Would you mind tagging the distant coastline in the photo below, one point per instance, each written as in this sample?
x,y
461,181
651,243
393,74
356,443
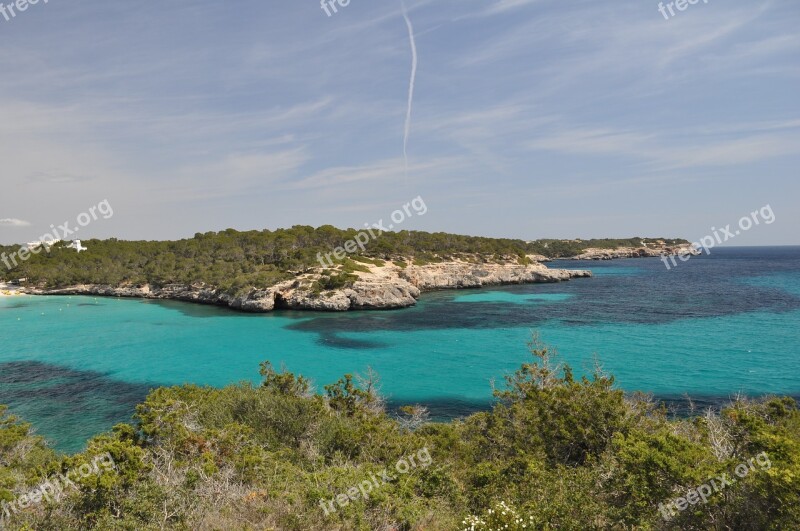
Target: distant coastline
x,y
386,286
261,271
655,251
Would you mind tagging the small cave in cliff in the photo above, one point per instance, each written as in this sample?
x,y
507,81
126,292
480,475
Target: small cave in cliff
x,y
280,302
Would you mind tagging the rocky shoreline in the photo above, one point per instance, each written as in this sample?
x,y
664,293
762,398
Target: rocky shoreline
x,y
384,287
636,252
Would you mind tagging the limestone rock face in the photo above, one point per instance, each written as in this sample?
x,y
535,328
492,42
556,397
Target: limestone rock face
x,y
636,252
255,301
538,258
383,294
382,288
464,275
330,301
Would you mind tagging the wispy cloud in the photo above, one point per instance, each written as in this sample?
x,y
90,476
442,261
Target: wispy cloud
x,y
232,175
665,151
13,222
497,7
380,173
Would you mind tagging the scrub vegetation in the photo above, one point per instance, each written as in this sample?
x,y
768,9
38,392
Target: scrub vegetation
x,y
554,452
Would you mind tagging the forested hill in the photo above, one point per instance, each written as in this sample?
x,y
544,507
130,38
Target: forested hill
x,y
232,259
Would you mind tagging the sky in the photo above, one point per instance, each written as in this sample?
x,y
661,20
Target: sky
x,y
529,118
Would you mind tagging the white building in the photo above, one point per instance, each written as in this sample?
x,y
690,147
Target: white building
x,y
76,244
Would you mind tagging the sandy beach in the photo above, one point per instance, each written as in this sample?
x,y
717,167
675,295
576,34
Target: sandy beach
x,y
7,290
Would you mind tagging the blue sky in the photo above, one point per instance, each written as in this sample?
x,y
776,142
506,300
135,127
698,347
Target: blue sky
x,y
531,118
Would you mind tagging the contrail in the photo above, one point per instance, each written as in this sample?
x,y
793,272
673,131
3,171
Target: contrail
x,y
410,85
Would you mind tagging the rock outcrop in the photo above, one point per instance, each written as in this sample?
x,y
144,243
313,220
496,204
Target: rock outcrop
x,y
636,252
464,275
382,288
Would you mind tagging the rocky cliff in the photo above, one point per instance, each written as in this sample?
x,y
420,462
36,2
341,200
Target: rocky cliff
x,y
383,287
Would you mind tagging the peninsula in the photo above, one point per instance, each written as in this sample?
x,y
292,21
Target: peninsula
x,y
261,271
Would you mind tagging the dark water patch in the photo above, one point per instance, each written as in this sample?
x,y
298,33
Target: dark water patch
x,y
214,311
337,341
193,309
68,406
435,316
15,306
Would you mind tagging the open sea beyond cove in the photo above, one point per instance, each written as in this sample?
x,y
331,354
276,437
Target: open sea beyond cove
x,y
709,328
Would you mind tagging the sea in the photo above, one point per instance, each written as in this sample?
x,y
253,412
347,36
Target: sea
x,y
693,336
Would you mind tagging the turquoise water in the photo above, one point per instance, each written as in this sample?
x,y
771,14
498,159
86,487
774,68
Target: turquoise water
x,y
74,366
